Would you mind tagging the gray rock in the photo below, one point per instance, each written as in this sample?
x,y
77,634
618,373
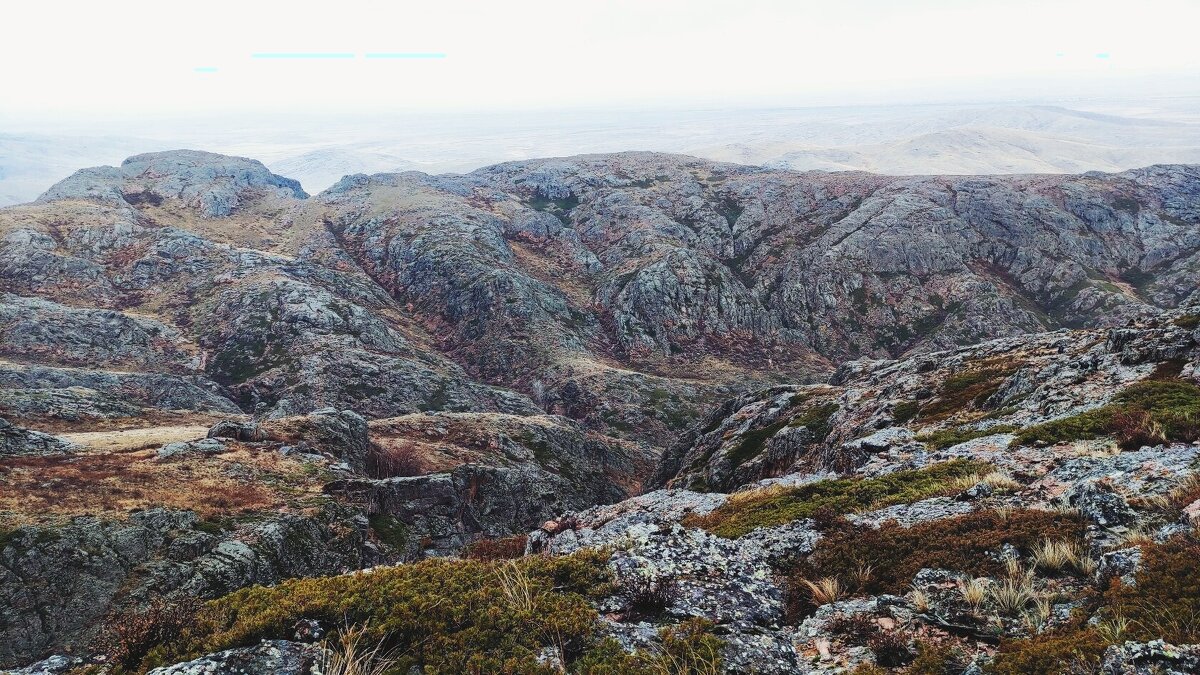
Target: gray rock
x,y
17,441
279,657
206,446
1100,504
1121,564
54,665
1151,658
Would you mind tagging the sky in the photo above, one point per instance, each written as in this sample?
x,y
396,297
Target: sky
x,y
100,60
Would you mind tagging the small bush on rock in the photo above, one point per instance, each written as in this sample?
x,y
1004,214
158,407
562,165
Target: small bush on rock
x,y
130,635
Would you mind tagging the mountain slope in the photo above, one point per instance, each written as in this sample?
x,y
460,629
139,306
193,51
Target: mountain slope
x,y
254,384
629,291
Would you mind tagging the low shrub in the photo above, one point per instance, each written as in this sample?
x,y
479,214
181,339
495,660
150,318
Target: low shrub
x,y
815,418
969,388
1065,650
1188,321
446,615
394,461
929,660
1163,604
648,594
905,411
853,629
1147,412
890,648
746,511
687,649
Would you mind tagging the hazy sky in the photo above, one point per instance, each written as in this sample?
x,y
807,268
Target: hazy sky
x,y
111,59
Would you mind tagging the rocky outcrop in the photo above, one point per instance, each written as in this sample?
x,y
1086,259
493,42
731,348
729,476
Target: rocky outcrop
x,y
57,583
214,185
340,432
499,476
629,291
16,441
877,410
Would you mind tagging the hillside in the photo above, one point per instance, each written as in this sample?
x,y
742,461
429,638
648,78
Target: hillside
x,y
703,381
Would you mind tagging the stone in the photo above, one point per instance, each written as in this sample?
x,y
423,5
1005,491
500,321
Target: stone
x,y
279,657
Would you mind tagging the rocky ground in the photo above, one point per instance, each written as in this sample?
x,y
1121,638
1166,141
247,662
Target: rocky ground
x,y
211,381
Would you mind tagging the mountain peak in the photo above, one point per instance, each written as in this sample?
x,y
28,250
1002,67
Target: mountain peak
x,y
212,183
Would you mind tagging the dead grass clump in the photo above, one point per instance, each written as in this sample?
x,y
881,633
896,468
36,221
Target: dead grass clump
x,y
130,634
1061,556
502,548
394,461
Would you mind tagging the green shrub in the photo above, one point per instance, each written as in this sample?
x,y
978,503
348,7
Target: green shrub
x,y
969,388
1150,410
815,418
746,511
905,411
447,615
687,649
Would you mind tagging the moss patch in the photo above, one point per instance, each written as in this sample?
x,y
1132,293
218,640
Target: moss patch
x,y
1168,409
1188,321
966,543
389,530
448,616
746,511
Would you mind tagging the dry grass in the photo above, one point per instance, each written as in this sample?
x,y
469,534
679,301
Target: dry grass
x,y
1012,595
974,592
1186,491
350,655
1138,535
825,590
919,599
1113,629
1061,556
136,439
112,484
1000,482
517,585
1037,616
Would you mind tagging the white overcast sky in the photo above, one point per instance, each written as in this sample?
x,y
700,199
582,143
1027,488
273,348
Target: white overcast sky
x,y
106,59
